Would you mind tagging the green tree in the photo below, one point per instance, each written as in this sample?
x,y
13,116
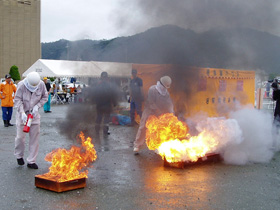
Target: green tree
x,y
14,73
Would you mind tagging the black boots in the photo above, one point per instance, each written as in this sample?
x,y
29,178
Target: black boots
x,y
32,165
20,161
7,123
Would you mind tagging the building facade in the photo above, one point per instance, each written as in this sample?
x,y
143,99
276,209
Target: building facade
x,y
20,32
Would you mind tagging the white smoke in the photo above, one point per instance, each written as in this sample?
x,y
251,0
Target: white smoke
x,y
245,137
258,145
225,131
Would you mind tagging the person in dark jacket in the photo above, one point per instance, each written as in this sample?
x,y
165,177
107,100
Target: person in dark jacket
x,y
276,97
105,99
136,96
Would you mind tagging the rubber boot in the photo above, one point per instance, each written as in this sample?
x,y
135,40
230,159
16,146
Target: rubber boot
x,y
9,124
6,123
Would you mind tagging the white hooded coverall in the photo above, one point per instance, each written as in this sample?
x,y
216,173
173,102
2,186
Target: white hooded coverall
x,y
24,102
158,103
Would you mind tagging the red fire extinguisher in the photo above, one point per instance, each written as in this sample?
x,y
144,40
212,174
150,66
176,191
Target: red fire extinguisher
x,y
27,125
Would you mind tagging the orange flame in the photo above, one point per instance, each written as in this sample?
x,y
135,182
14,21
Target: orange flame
x,y
66,164
171,138
164,128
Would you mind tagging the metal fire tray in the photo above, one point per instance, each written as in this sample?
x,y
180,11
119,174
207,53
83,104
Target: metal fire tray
x,y
208,158
59,186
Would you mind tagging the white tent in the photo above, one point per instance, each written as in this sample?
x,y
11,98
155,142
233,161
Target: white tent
x,y
63,68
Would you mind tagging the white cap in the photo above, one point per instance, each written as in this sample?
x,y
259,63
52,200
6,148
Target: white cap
x,y
166,81
33,78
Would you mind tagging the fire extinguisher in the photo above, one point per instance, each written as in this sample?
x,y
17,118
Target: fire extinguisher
x,y
27,125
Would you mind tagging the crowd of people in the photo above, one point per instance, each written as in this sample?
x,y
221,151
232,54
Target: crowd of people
x,y
62,93
32,93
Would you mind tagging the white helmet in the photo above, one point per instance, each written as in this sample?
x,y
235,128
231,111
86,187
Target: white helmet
x,y
166,81
33,78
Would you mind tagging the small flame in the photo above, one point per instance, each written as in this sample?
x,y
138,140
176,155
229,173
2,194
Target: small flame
x,y
171,138
67,164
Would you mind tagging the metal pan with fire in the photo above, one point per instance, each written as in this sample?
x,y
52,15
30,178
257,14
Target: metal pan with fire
x,y
171,139
69,167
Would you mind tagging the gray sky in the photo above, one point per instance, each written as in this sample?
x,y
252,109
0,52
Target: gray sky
x,y
106,19
77,19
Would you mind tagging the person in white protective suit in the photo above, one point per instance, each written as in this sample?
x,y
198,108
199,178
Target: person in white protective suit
x,y
158,103
31,95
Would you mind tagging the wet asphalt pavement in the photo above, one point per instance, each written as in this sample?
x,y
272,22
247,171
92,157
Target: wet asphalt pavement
x,y
120,180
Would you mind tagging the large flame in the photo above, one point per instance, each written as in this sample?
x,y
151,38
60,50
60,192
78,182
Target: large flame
x,y
170,137
164,128
67,164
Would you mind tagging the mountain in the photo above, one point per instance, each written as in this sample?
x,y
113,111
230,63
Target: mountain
x,y
239,48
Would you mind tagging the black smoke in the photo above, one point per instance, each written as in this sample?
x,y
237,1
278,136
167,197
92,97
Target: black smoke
x,y
82,113
200,15
216,41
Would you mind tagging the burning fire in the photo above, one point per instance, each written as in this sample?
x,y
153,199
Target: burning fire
x,y
163,129
67,164
171,138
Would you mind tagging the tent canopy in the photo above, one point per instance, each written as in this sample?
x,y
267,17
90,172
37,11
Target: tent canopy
x,y
63,68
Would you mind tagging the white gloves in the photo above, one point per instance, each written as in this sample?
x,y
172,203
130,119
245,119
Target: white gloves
x,y
23,117
35,110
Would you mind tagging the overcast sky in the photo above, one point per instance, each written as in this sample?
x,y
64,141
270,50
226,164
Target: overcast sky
x,y
106,19
77,19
